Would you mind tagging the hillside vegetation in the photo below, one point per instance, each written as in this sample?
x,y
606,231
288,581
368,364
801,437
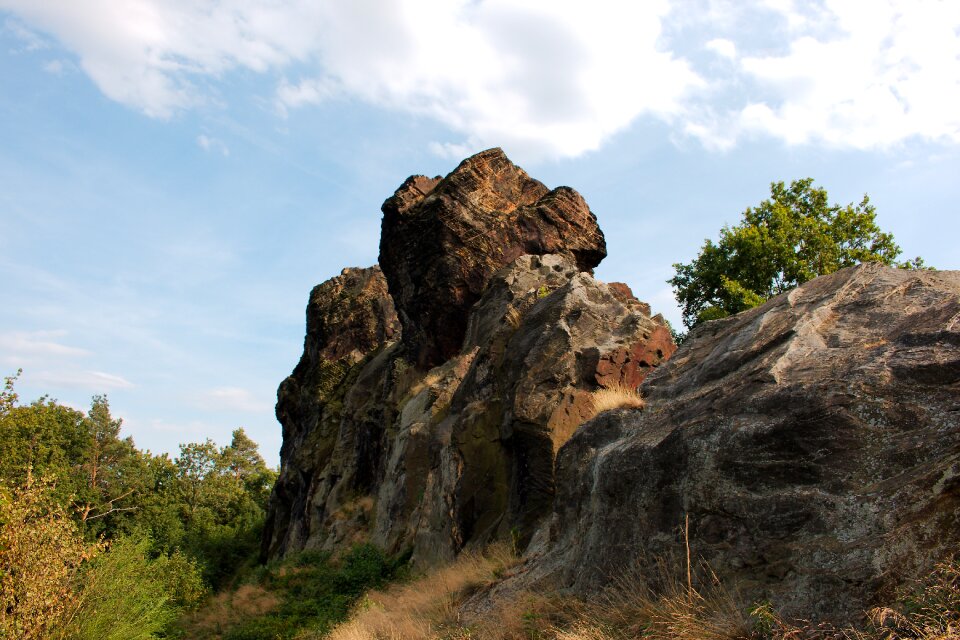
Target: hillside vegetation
x,y
99,539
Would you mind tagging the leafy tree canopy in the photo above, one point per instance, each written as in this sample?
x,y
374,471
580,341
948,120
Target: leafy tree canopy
x,y
206,507
794,236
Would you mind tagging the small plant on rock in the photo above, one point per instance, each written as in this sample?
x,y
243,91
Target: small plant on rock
x,y
617,396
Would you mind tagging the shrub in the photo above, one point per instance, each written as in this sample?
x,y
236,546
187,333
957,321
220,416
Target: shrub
x,y
127,596
41,551
307,594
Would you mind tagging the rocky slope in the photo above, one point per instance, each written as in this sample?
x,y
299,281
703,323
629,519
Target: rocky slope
x,y
814,443
443,434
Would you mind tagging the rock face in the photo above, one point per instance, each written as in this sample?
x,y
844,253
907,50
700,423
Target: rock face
x,y
446,438
349,317
814,443
442,241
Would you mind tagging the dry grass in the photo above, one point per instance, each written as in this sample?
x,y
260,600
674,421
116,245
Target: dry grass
x,y
661,602
426,607
227,609
930,612
513,317
616,397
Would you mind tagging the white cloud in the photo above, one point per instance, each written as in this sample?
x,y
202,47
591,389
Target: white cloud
x,y
544,78
212,144
96,381
38,343
722,47
855,75
539,77
232,399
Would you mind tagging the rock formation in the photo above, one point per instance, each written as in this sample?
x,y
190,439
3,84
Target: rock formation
x,y
442,241
446,437
814,443
349,317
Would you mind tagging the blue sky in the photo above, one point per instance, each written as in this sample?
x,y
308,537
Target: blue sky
x,y
175,176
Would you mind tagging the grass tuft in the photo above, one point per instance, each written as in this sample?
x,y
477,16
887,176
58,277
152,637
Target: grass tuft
x,y
617,396
427,607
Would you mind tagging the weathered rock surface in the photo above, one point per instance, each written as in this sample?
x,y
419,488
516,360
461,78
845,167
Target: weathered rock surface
x,y
376,447
443,239
349,317
814,443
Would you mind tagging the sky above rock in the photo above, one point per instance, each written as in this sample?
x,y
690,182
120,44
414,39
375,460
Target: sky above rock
x,y
176,175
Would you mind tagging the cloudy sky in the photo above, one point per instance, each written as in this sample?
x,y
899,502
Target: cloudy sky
x,y
175,175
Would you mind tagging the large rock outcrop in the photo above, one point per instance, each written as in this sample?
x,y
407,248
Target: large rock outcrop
x,y
349,317
443,239
814,443
447,437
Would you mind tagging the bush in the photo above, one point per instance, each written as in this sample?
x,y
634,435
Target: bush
x,y
316,592
41,551
127,596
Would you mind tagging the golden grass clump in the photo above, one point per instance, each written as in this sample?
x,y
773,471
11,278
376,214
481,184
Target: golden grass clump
x,y
930,612
617,396
426,607
660,603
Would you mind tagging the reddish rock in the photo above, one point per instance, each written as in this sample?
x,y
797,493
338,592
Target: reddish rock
x,y
442,240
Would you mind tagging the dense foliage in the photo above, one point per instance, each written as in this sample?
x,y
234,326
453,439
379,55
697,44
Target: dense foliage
x,y
101,540
311,592
784,241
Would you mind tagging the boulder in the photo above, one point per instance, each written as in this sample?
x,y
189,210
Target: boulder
x,y
443,239
813,443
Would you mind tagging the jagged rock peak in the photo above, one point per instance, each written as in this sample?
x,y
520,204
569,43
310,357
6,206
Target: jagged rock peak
x,y
349,318
350,315
443,239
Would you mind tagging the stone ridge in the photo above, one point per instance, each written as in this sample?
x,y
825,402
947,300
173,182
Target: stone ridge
x,y
443,239
813,442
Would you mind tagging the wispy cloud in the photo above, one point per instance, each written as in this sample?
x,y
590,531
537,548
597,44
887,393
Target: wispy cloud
x,y
54,67
95,381
232,399
38,343
208,143
30,39
545,78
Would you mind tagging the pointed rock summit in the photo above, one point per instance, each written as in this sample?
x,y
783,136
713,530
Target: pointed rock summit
x,y
443,239
441,434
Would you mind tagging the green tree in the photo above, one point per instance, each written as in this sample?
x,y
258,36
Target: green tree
x,y
794,236
223,499
206,507
99,475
